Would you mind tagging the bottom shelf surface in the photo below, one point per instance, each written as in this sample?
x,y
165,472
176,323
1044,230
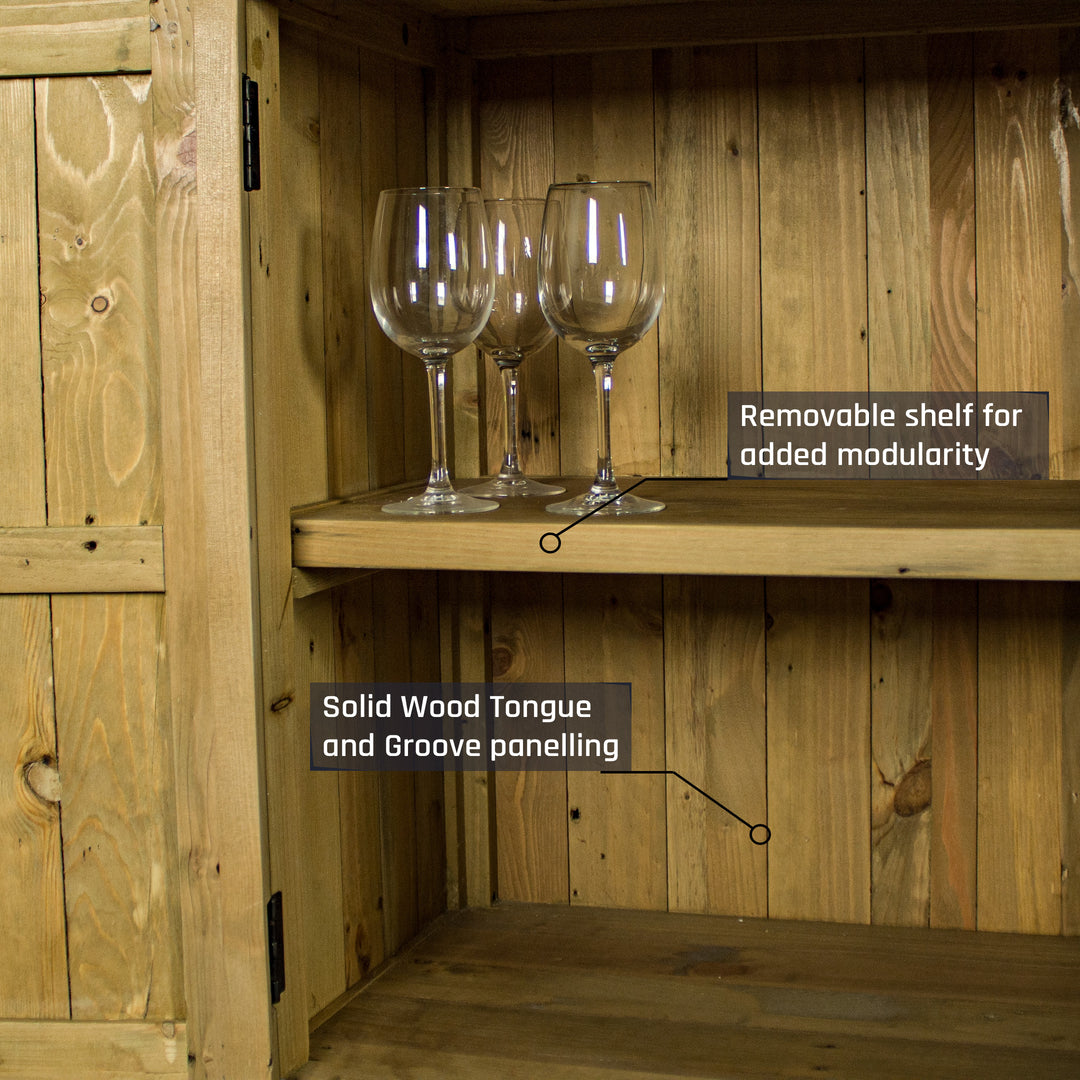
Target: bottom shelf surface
x,y
558,993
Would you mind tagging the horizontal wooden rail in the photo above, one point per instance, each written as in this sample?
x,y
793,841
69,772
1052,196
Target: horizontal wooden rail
x,y
91,1050
78,559
844,528
93,37
651,25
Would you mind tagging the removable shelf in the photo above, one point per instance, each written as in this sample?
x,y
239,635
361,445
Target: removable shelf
x,y
845,528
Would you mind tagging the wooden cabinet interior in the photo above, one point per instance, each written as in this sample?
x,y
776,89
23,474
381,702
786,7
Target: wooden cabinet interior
x,y
882,212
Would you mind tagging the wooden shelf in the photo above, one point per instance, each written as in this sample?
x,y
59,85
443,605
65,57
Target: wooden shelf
x,y
847,528
520,991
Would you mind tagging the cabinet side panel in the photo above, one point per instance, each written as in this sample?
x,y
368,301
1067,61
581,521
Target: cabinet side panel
x,y
604,131
517,160
714,655
707,186
527,646
617,823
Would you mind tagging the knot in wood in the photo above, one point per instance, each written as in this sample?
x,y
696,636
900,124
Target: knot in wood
x,y
912,793
43,779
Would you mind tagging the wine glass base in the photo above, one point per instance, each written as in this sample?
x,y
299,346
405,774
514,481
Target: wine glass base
x,y
431,503
510,487
604,504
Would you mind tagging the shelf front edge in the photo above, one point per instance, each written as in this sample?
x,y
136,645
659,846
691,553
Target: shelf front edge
x,y
1049,554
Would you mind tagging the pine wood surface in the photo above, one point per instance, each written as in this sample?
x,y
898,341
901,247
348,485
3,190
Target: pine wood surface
x,y
42,38
1011,529
97,1050
519,990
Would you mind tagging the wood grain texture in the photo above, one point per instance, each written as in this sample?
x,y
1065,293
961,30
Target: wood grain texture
x,y
901,684
464,646
516,150
714,681
211,613
361,845
951,164
611,994
1019,220
1065,137
282,266
21,436
344,243
1020,732
604,130
97,36
87,559
34,982
113,737
617,824
527,646
97,278
818,749
707,186
954,791
813,234
98,1050
1070,760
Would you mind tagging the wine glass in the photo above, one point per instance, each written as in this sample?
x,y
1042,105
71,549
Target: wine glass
x,y
516,328
432,284
601,287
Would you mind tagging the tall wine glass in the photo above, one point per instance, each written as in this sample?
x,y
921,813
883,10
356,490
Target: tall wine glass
x,y
516,328
601,288
432,284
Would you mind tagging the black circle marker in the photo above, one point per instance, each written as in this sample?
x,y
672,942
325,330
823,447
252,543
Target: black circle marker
x,y
546,539
765,839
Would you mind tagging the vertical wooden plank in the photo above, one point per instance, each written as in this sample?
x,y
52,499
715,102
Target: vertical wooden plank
x,y
517,161
814,329
813,232
102,422
617,826
951,154
425,661
317,824
1070,758
1019,336
1019,220
604,131
361,844
465,646
1020,725
32,928
819,759
99,361
527,646
899,291
714,653
390,613
344,246
898,213
953,822
707,184
901,709
954,698
119,847
211,612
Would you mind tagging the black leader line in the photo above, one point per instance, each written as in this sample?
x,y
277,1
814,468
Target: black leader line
x,y
760,829
550,542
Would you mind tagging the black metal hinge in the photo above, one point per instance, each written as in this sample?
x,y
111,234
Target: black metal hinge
x,y
249,95
275,933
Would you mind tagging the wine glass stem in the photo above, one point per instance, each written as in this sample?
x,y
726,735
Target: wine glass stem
x,y
605,475
511,466
439,479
